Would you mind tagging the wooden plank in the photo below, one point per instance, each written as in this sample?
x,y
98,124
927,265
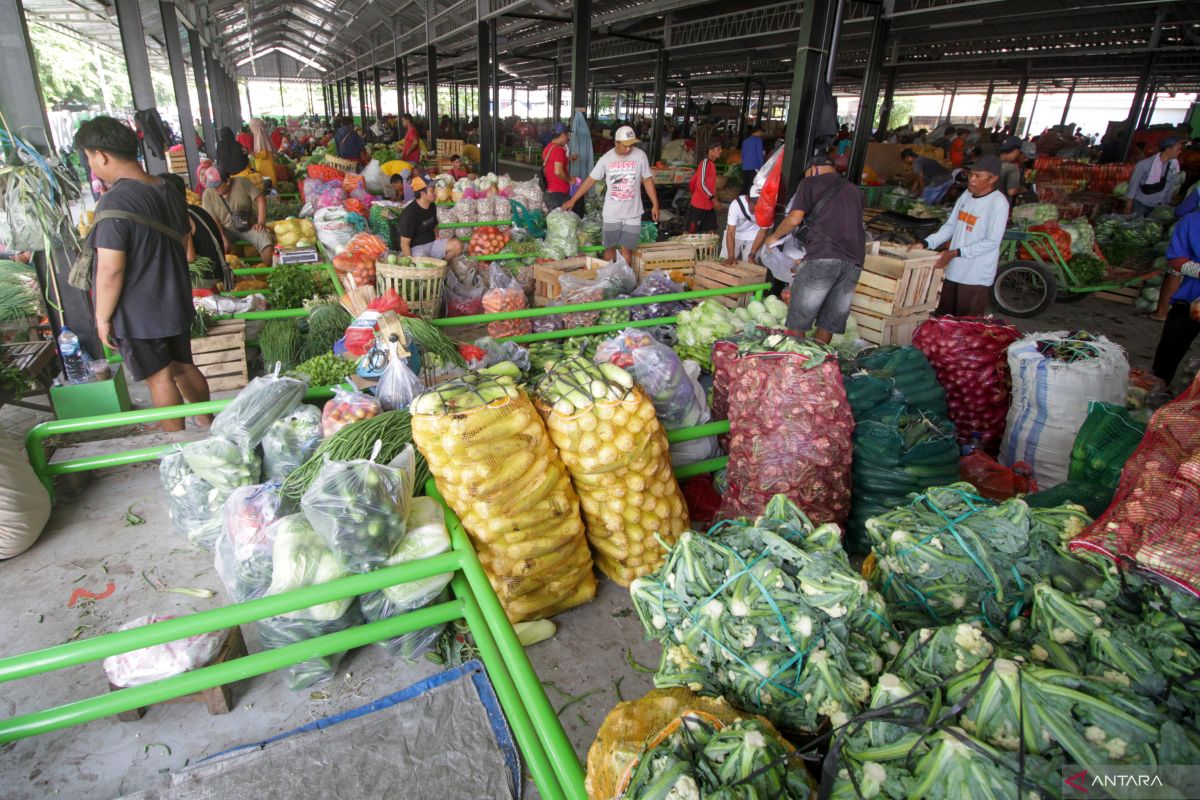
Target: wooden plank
x,y
227,382
210,344
237,356
879,282
1117,298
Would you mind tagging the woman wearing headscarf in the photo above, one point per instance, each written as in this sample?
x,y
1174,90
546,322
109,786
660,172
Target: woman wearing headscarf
x,y
230,155
263,151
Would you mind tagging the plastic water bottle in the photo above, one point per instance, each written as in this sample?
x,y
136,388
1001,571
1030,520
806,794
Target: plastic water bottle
x,y
77,366
973,444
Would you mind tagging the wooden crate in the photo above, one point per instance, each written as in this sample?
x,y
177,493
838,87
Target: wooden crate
x,y
662,256
177,162
1127,295
449,147
888,330
545,276
221,355
715,275
706,245
896,282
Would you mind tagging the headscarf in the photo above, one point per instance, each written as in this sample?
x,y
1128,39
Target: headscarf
x,y
262,140
230,155
214,177
581,145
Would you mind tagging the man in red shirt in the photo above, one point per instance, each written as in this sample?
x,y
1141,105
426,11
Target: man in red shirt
x,y
554,167
410,150
702,213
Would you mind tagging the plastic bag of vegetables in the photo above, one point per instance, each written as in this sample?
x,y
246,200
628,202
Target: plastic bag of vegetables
x,y
505,294
654,284
616,452
346,407
159,661
398,385
678,399
969,355
497,468
242,554
193,503
770,615
265,399
561,230
222,463
790,429
359,508
290,441
576,291
299,558
464,294
426,537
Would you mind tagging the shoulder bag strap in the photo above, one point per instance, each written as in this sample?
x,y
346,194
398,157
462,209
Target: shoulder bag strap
x,y
165,230
824,201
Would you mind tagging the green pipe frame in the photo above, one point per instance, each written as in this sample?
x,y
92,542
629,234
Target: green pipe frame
x,y
46,470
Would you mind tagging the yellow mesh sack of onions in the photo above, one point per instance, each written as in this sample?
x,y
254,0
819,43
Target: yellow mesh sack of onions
x,y
620,464
493,462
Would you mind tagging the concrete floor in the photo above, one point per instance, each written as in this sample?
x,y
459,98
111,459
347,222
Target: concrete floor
x,y
87,544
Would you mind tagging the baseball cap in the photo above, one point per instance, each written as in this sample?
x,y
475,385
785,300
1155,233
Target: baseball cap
x,y
1169,141
419,184
625,134
986,164
820,160
1010,144
715,143
908,151
558,129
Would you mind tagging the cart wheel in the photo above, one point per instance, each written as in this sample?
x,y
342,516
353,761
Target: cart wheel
x,y
1024,288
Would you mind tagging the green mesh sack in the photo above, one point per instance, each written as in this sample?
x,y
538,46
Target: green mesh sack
x,y
1092,496
913,378
865,391
898,451
1105,442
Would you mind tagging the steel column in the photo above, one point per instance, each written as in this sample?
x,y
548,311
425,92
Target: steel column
x,y
350,98
199,63
1067,104
431,104
486,32
220,117
1143,84
885,107
987,104
660,104
137,61
1015,119
187,128
880,26
817,28
580,42
378,93
950,105
494,66
687,106
401,81
741,128
362,96
762,100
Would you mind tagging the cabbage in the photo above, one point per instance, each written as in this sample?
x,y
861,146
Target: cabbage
x,y
1121,189
300,558
1083,237
426,536
1036,212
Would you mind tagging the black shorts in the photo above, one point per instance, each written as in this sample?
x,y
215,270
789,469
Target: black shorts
x,y
701,220
144,357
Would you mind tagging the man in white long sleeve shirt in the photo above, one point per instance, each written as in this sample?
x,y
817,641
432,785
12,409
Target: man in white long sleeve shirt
x,y
974,230
1155,179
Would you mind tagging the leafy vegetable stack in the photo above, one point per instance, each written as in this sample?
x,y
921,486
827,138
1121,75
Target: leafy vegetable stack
x,y
769,615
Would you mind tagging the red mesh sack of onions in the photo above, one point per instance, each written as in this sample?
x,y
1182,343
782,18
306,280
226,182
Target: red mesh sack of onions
x,y
790,432
969,355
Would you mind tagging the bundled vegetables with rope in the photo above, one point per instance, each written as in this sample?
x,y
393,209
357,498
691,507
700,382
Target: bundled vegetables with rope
x,y
616,452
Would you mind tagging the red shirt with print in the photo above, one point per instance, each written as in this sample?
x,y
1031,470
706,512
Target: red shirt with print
x,y
551,155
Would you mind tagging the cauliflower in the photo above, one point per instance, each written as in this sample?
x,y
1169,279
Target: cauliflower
x,y
685,788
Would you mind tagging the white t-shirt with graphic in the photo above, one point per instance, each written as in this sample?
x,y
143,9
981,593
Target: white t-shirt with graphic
x,y
623,176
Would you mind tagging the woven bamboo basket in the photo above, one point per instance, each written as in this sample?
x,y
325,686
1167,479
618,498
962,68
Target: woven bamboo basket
x,y
420,286
344,164
706,245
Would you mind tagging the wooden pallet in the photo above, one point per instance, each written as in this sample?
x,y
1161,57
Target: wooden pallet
x,y
1126,295
896,282
545,276
221,355
887,330
715,275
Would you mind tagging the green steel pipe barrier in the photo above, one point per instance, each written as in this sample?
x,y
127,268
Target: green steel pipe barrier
x,y
525,338
35,440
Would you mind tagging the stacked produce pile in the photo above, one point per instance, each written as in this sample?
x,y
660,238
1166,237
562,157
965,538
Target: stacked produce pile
x,y
770,615
294,232
1128,241
953,556
701,327
505,294
616,453
1054,378
496,467
790,428
969,356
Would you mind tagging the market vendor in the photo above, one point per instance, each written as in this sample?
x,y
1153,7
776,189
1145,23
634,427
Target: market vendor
x,y
974,230
622,169
417,227
410,148
1011,159
554,167
743,235
1183,317
931,180
401,186
704,205
240,209
835,248
1155,179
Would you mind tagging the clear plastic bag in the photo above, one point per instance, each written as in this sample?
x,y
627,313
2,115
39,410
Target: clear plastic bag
x,y
265,399
359,508
549,323
290,441
502,351
282,631
193,503
617,277
398,385
576,291
346,407
242,555
426,537
654,284
164,660
464,295
506,294
222,463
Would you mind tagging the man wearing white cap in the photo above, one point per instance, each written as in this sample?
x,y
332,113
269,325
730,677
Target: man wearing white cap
x,y
622,169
